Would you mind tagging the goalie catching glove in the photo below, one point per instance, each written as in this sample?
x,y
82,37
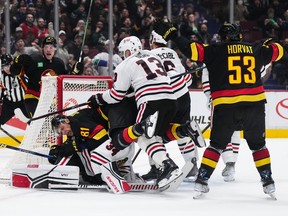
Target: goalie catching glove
x,y
166,29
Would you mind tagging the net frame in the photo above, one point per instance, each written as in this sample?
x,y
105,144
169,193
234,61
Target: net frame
x,y
57,93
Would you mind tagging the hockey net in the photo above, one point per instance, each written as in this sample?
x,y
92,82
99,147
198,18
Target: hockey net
x,y
57,93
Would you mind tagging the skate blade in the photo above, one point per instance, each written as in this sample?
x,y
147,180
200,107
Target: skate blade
x,y
197,195
272,196
190,179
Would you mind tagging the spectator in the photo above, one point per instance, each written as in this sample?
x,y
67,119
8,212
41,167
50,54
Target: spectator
x,y
74,47
99,35
104,70
20,48
204,34
43,31
30,31
189,26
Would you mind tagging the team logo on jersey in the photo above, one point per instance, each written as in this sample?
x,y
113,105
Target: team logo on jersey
x,y
282,108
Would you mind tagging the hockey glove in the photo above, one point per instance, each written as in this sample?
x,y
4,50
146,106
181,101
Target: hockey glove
x,y
209,102
96,100
23,59
69,147
77,68
54,152
166,29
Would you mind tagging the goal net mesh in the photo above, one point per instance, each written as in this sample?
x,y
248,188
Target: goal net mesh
x,y
57,93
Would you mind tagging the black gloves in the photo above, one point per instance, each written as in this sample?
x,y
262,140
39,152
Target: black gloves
x,y
23,59
166,29
96,100
69,147
54,152
77,68
18,62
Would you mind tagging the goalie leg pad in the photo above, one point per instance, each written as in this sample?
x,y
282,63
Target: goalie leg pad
x,y
40,176
110,175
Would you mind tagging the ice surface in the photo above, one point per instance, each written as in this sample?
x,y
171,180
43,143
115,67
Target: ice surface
x,y
239,198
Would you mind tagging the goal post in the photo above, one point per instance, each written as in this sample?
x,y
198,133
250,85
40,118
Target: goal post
x,y
57,93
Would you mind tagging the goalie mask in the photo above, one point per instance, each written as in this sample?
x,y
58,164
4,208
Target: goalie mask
x,y
230,32
156,38
132,43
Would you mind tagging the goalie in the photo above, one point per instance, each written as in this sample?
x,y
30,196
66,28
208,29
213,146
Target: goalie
x,y
89,147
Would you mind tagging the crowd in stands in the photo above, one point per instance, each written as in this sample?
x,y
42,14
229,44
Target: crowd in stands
x,y
33,20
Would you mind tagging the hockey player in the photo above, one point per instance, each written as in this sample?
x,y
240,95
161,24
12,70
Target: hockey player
x,y
12,91
173,66
237,93
230,153
34,67
88,138
144,72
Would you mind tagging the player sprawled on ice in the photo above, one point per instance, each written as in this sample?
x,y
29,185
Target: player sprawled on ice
x,y
237,93
89,147
174,67
144,72
12,91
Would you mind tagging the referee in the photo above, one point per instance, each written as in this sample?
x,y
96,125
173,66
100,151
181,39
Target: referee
x,y
12,91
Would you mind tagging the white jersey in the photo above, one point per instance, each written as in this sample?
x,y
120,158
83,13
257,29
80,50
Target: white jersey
x,y
145,73
173,66
104,70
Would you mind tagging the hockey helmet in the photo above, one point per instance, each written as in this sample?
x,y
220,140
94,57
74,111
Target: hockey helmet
x,y
56,121
49,40
156,38
6,59
230,32
132,43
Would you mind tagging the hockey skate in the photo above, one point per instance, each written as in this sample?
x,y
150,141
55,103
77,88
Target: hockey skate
x,y
228,172
268,184
169,172
201,187
149,125
195,134
152,174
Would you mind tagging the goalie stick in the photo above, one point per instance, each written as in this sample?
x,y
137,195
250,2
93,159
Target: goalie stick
x,y
26,151
172,186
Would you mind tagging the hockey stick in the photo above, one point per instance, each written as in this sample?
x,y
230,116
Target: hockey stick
x,y
139,150
56,112
134,187
10,135
26,151
85,31
188,72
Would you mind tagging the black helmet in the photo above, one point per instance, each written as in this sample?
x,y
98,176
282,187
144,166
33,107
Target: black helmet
x,y
230,32
56,121
6,59
49,40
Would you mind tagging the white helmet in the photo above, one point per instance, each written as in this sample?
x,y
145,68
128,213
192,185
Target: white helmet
x,y
132,43
156,38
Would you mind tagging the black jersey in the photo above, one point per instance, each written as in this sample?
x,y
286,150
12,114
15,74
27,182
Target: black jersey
x,y
235,69
89,127
39,66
